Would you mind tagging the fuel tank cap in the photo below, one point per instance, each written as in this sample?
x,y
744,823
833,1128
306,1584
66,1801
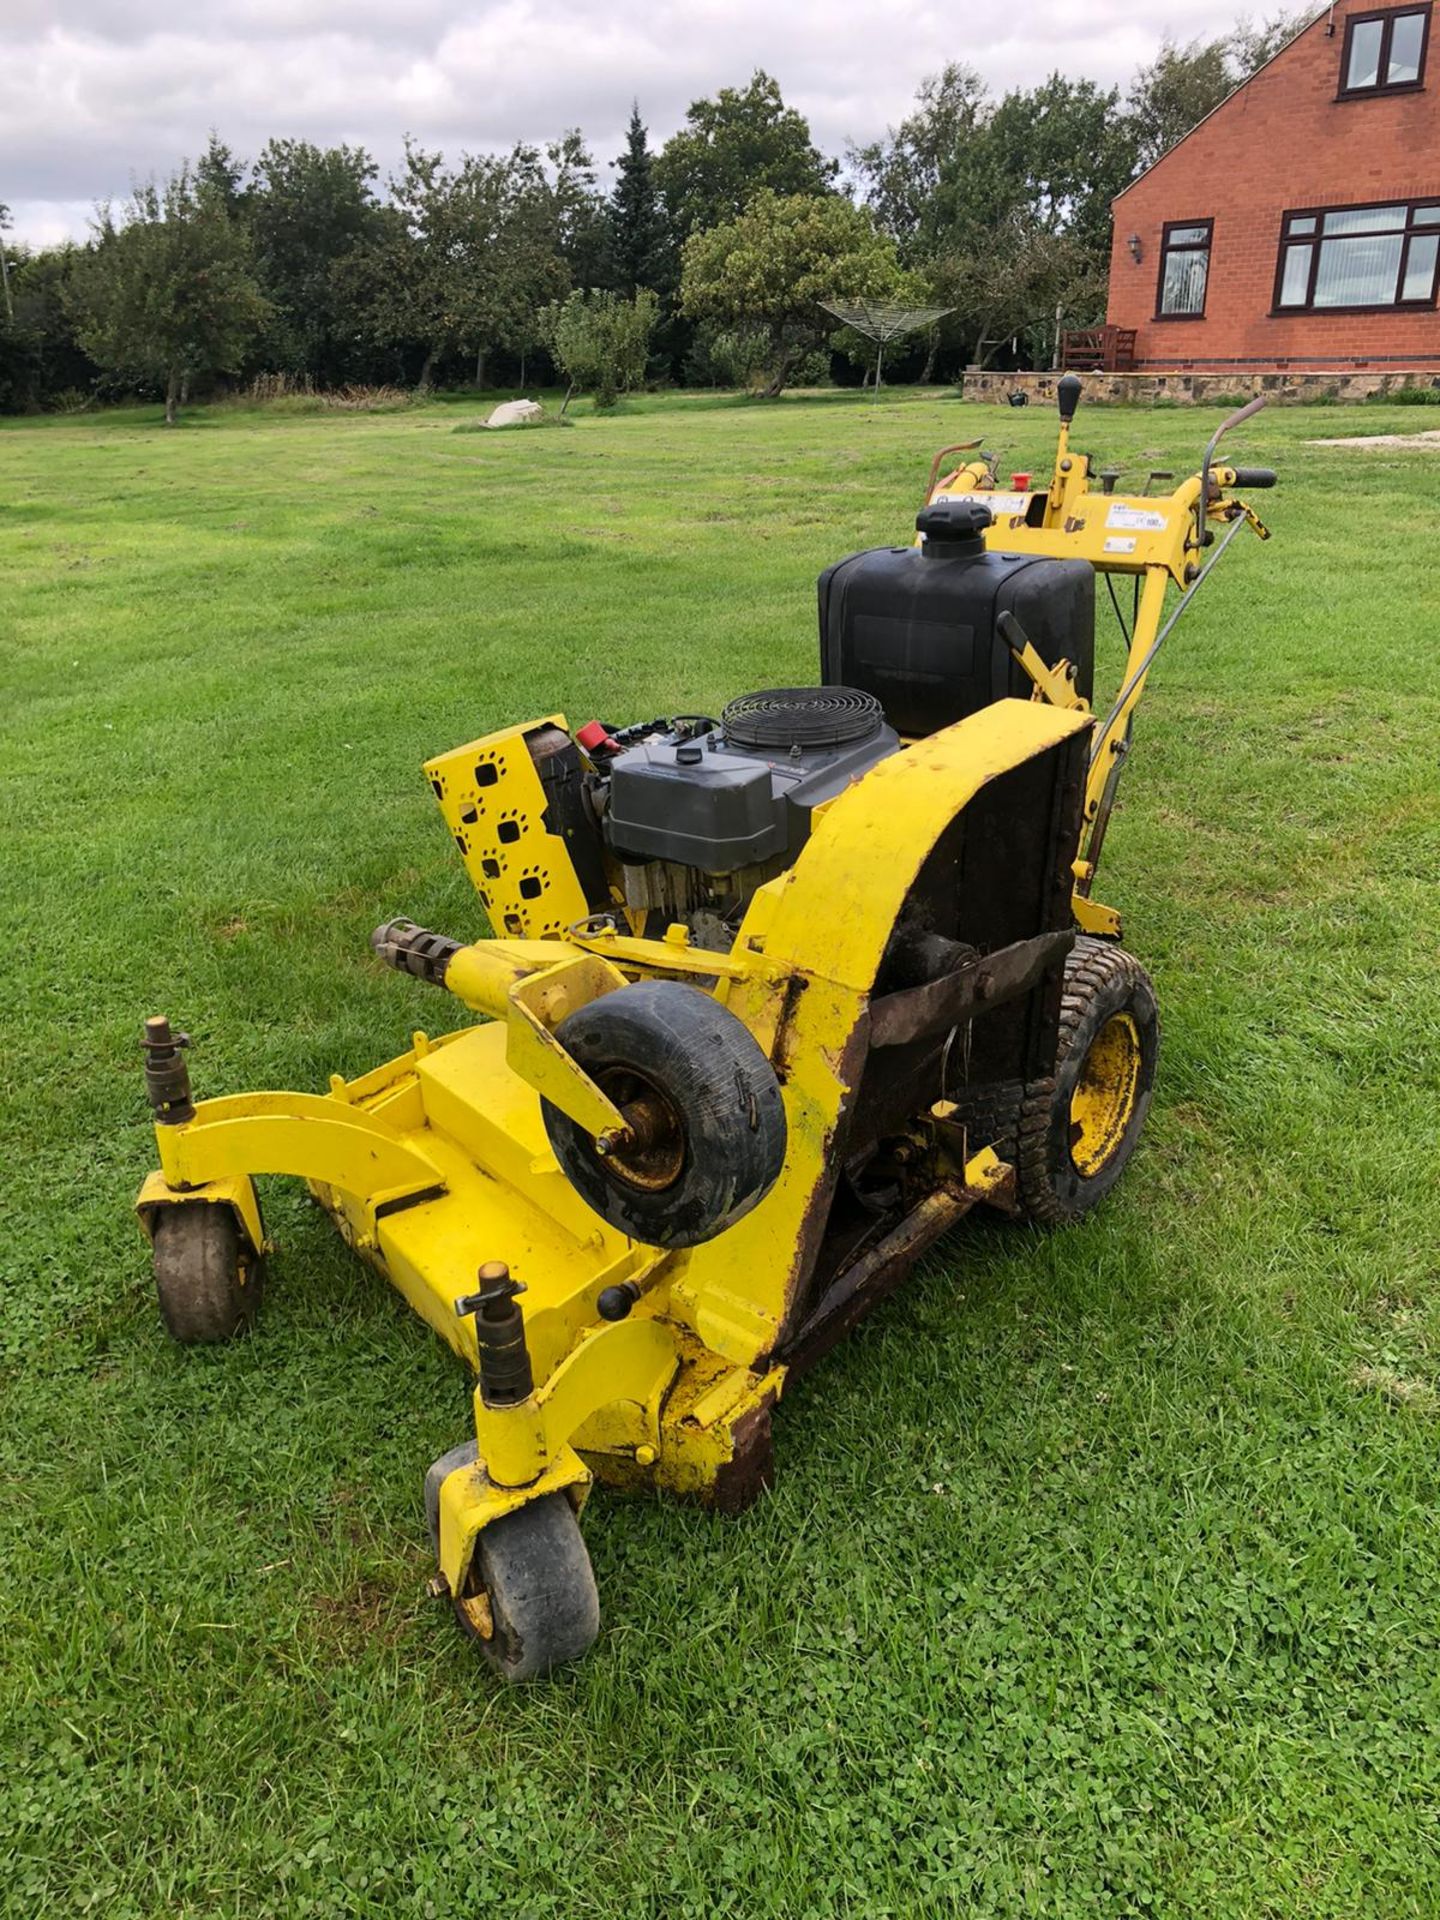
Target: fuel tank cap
x,y
954,529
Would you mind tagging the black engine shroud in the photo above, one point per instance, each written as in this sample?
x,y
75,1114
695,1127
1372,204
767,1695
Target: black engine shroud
x,y
740,793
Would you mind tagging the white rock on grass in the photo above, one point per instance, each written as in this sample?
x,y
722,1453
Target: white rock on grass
x,y
510,412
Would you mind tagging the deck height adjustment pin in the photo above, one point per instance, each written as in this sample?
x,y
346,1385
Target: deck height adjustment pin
x,y
167,1074
506,1376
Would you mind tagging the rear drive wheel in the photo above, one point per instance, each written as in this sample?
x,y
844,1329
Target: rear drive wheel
x,y
207,1279
1079,1127
704,1116
529,1601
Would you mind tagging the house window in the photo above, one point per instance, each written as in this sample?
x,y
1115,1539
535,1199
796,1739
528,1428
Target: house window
x,y
1184,270
1384,52
1358,257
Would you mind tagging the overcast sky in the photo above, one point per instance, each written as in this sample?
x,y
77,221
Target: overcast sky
x,y
97,93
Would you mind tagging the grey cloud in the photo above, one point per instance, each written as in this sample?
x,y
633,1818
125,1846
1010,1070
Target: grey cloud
x,y
97,93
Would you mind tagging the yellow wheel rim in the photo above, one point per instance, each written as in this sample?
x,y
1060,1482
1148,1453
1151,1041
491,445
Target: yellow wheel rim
x,y
1104,1098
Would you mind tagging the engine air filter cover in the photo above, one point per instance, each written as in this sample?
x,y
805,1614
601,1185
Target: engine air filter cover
x,y
806,717
742,795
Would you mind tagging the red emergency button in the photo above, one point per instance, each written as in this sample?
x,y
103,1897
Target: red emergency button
x,y
593,736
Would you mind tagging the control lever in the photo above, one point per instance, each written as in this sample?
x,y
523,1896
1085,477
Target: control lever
x,y
1055,684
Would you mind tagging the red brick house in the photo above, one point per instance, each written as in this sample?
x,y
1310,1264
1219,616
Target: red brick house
x,y
1298,226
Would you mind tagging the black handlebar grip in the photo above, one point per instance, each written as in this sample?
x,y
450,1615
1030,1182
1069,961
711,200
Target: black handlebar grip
x,y
1255,476
1067,396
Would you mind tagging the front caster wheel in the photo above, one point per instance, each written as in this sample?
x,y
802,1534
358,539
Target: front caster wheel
x,y
206,1276
1078,1129
529,1600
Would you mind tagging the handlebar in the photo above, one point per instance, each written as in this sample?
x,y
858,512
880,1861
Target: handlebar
x,y
960,446
1254,477
1247,412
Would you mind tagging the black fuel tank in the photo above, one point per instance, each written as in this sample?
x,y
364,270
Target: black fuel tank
x,y
916,626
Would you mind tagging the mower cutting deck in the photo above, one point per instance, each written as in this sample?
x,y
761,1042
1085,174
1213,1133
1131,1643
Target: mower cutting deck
x,y
774,1000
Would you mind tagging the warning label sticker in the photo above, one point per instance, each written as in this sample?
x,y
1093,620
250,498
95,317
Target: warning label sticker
x,y
999,503
1135,519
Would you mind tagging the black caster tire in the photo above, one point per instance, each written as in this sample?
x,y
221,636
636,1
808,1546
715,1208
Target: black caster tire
x,y
1078,1128
207,1279
529,1601
710,1108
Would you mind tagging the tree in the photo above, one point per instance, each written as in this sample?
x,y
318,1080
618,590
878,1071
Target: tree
x,y
1253,47
601,341
4,263
1010,280
730,357
1175,92
309,208
464,258
220,176
1185,83
1058,154
637,226
730,148
899,179
1002,209
579,211
40,356
168,292
900,175
768,269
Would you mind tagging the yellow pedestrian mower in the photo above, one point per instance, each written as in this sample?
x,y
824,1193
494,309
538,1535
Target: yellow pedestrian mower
x,y
772,1000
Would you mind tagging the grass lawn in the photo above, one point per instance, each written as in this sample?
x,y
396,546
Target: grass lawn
x,y
1102,1572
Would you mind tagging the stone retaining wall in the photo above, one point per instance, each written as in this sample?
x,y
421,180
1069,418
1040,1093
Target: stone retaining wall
x,y
1197,389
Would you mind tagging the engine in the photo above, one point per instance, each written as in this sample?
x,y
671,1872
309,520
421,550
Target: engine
x,y
697,813
681,819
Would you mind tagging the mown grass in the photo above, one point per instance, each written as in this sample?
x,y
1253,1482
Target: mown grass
x,y
1102,1571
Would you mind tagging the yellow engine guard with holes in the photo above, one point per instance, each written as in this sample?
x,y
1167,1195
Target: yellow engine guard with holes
x,y
494,805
